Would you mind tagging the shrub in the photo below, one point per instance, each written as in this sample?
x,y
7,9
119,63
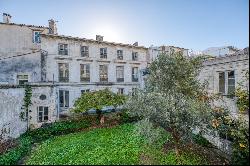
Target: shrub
x,y
125,117
47,131
58,128
200,140
11,157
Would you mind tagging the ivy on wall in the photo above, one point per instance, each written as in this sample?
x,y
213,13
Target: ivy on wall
x,y
27,102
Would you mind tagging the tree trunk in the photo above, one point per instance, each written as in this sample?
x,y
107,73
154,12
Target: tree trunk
x,y
100,117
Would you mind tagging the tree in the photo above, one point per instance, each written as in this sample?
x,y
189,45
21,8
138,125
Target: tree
x,y
97,100
173,99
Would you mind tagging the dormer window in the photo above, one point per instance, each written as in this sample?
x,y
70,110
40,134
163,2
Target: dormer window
x,y
84,51
119,54
62,49
36,37
135,56
103,53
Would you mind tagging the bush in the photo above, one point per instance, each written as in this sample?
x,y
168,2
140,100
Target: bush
x,y
127,118
200,140
15,154
47,131
58,128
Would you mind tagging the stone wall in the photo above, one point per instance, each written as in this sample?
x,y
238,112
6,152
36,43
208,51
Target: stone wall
x,y
11,106
11,101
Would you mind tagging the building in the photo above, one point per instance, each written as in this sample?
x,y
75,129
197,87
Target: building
x,y
67,66
60,68
220,51
224,74
155,51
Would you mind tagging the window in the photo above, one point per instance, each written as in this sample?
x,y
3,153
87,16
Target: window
x,y
62,49
119,54
84,72
231,83
63,72
120,91
103,53
227,83
222,83
135,74
84,51
103,70
36,37
64,98
85,90
43,114
22,79
134,56
119,73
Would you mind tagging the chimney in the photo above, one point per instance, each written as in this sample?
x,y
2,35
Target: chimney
x,y
99,38
52,27
135,44
6,18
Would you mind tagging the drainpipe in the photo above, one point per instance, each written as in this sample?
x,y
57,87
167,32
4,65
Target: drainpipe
x,y
58,108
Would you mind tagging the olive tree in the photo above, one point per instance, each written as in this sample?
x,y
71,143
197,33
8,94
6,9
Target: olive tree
x,y
173,99
97,100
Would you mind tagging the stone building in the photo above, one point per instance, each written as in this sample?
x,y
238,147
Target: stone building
x,y
224,74
155,51
68,66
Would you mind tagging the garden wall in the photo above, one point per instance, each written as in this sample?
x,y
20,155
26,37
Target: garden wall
x,y
11,101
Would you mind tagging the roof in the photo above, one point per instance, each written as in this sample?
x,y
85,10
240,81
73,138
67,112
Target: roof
x,y
35,26
92,40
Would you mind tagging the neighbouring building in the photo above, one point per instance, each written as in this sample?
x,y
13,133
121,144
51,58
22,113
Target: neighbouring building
x,y
155,51
224,74
220,51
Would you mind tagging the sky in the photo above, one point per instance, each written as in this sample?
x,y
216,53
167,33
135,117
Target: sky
x,y
192,24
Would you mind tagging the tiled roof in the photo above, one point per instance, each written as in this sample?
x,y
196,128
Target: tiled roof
x,y
35,26
92,40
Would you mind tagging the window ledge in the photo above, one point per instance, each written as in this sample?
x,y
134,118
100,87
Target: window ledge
x,y
84,59
61,57
119,61
103,60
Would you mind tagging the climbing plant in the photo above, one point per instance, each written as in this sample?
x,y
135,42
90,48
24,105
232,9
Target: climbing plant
x,y
27,102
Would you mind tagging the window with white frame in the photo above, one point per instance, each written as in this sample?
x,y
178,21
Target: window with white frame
x,y
119,54
63,72
103,53
62,49
22,79
85,90
135,56
134,74
64,98
103,73
43,114
120,91
84,51
227,83
36,37
85,72
120,73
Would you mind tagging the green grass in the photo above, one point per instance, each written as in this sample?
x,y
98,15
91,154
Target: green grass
x,y
100,146
109,146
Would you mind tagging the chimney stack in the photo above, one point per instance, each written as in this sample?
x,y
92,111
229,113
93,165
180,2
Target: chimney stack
x,y
52,27
135,44
99,38
6,18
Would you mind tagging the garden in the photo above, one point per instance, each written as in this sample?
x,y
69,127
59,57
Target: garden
x,y
154,126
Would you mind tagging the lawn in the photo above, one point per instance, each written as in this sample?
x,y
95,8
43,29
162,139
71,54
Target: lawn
x,y
107,146
99,146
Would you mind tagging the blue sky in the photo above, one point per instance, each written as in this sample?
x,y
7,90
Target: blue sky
x,y
192,24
